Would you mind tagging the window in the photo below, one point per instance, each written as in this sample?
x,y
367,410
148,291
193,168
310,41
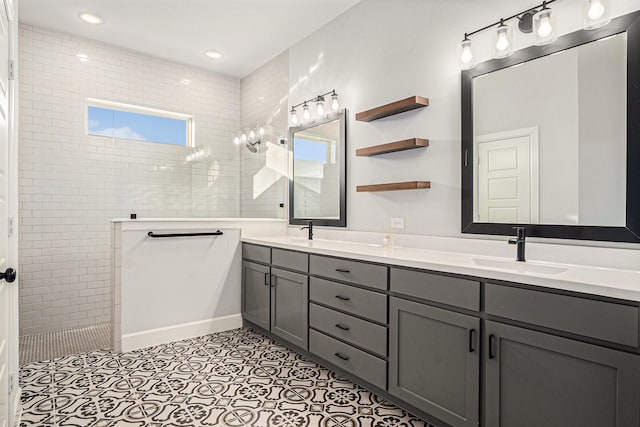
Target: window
x,y
314,148
124,121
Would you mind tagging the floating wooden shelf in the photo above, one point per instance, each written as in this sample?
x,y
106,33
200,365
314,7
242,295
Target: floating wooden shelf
x,y
394,108
394,186
407,144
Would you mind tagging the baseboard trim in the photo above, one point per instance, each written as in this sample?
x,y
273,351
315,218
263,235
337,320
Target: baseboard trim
x,y
183,331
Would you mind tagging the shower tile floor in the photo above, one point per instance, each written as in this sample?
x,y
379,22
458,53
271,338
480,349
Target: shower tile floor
x,y
49,345
234,378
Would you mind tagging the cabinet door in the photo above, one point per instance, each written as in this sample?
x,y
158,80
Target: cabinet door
x,y
537,379
255,293
289,306
434,361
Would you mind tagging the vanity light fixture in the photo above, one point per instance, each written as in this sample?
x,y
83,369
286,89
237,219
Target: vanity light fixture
x,y
91,18
252,137
539,20
596,14
502,41
544,26
320,108
335,105
465,49
306,115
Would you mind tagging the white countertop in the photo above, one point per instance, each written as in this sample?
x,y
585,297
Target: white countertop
x,y
607,282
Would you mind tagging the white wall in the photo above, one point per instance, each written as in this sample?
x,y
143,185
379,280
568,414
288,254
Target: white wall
x,y
71,185
381,51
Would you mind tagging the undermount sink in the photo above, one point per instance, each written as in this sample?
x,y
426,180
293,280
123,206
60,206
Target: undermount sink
x,y
303,240
520,267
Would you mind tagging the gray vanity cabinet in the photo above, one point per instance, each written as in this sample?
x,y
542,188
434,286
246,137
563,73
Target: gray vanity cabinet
x,y
289,306
256,293
537,379
434,361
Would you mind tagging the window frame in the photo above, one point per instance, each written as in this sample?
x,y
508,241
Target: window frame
x,y
132,108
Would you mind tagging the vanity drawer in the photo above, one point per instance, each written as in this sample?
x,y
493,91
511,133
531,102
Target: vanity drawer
x,y
453,291
361,273
290,259
364,365
596,319
356,331
360,302
256,253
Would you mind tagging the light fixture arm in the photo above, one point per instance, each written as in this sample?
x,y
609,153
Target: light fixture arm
x,y
518,15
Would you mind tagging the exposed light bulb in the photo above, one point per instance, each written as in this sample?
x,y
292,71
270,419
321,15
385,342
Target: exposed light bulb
x,y
466,56
252,134
294,117
243,137
261,131
236,140
596,10
335,106
502,42
306,115
465,50
320,108
545,29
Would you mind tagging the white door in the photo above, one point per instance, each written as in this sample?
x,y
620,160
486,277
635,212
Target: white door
x,y
507,177
5,310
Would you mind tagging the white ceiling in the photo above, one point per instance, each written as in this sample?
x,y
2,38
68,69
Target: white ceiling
x,y
248,32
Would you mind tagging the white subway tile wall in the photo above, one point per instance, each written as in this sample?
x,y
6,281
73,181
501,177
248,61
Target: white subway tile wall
x,y
71,184
264,99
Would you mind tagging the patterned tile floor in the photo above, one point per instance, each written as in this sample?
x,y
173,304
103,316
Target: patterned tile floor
x,y
235,378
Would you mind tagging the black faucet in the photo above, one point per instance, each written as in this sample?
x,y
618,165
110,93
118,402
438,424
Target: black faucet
x,y
310,227
520,241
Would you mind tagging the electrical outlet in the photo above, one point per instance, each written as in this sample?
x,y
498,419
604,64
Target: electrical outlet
x,y
397,222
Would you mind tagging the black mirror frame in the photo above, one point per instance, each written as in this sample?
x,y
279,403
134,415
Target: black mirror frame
x,y
629,23
342,221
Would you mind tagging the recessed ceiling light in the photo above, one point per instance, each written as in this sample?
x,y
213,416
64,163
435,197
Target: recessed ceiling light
x,y
185,82
213,54
83,57
91,18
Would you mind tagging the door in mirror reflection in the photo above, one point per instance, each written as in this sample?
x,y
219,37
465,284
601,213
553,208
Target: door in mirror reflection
x,y
318,174
550,138
507,184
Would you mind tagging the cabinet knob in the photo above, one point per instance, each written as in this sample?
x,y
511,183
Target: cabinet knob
x,y
344,328
342,298
342,356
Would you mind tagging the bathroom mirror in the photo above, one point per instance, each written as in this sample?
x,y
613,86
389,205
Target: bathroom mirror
x,y
317,186
549,138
